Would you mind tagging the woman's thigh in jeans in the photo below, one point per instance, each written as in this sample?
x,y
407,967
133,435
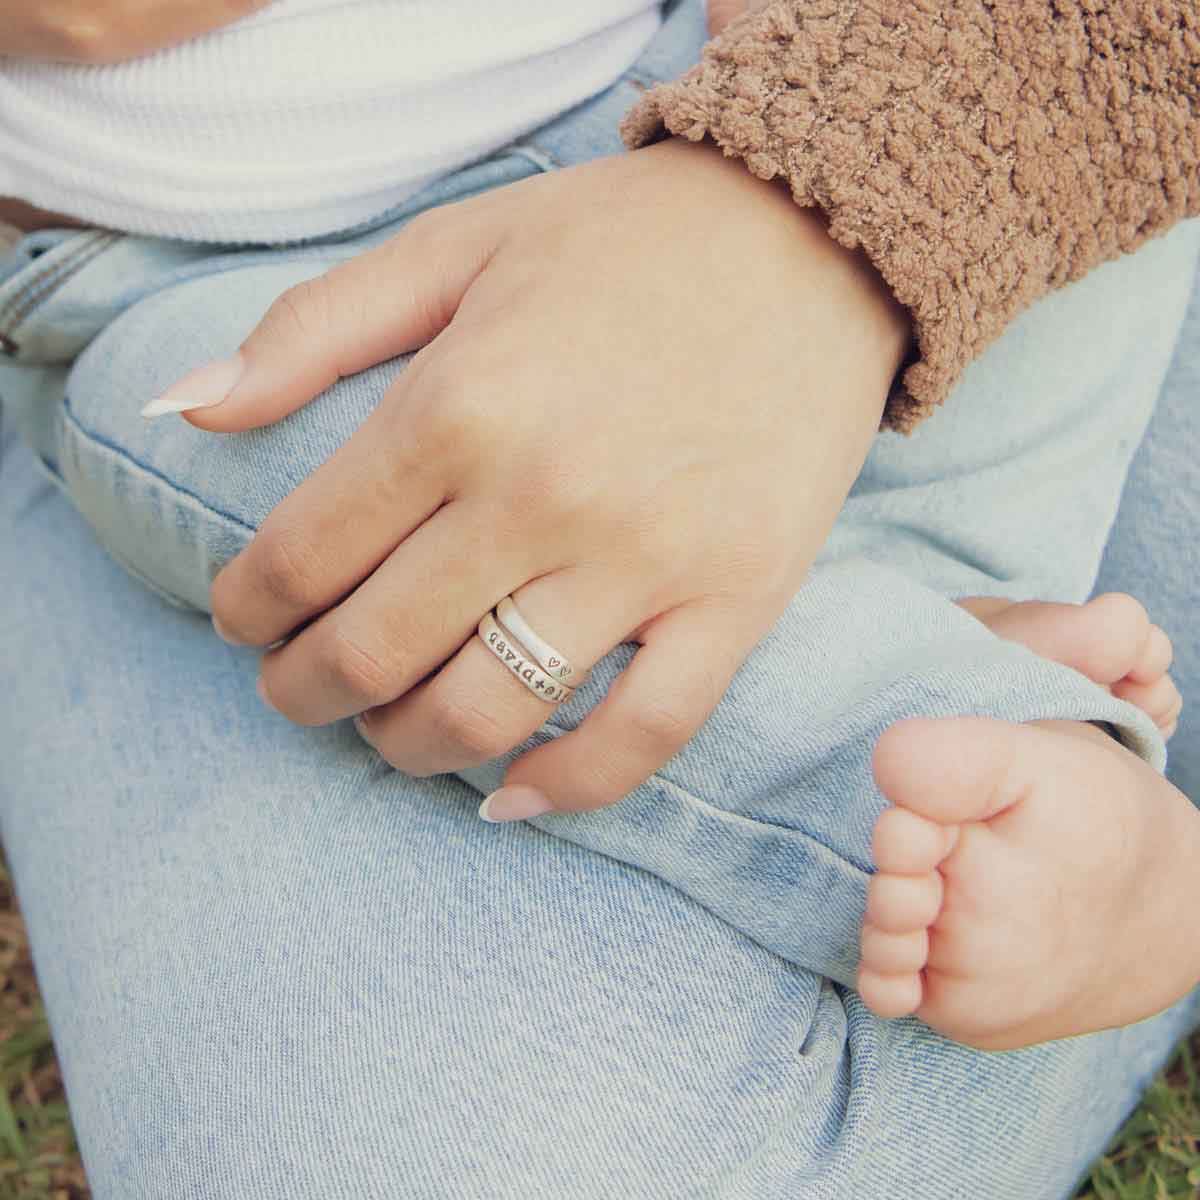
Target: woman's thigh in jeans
x,y
766,815
275,968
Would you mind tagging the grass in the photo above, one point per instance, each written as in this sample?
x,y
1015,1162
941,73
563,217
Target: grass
x,y
1157,1154
1155,1157
37,1148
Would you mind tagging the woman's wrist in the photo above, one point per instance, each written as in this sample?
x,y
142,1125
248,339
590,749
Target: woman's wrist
x,y
848,278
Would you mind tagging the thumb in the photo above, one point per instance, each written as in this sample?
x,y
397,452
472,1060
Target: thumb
x,y
382,303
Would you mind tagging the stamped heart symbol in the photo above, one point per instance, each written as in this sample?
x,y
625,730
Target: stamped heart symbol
x,y
556,662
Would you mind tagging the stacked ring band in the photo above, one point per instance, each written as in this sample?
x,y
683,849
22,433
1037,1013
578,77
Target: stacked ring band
x,y
549,659
521,663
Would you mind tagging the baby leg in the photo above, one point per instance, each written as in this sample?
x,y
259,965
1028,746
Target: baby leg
x,y
766,816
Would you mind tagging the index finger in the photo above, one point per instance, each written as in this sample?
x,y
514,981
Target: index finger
x,y
331,532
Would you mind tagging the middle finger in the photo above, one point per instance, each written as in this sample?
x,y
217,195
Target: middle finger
x,y
334,528
407,618
473,709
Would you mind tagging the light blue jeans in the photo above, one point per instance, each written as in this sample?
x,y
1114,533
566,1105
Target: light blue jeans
x,y
276,968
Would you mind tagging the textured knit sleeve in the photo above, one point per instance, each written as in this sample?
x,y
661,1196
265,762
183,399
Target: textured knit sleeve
x,y
980,152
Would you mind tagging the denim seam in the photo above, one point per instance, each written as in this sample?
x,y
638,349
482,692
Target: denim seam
x,y
724,814
756,823
161,592
96,439
541,158
721,813
40,271
50,281
634,78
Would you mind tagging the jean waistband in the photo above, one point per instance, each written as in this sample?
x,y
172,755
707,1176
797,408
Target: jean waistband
x,y
591,130
587,131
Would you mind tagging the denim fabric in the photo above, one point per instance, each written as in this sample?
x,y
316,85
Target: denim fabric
x,y
276,968
972,503
1155,537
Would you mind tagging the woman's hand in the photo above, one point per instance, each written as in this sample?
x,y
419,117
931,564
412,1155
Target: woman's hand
x,y
106,31
652,381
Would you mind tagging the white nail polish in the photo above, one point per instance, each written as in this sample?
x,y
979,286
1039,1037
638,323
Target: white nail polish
x,y
516,802
205,387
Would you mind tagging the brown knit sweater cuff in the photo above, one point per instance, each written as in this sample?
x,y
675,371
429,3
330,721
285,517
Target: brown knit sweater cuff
x,y
981,154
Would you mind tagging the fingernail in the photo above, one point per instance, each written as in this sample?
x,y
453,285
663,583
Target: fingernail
x,y
202,388
361,725
261,689
224,633
514,804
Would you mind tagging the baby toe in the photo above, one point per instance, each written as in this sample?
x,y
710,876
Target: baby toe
x,y
906,843
902,903
889,996
1155,658
894,953
1115,630
1159,700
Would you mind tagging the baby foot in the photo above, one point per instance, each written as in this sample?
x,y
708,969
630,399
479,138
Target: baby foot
x,y
1110,640
1034,882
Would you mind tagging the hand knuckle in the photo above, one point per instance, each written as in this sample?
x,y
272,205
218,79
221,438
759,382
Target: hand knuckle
x,y
457,420
470,729
289,572
355,670
393,751
554,494
302,310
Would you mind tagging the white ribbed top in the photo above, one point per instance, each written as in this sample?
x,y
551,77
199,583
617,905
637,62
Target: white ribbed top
x,y
307,117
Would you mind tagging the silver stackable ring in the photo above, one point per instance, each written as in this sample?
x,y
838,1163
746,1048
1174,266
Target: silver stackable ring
x,y
550,660
521,663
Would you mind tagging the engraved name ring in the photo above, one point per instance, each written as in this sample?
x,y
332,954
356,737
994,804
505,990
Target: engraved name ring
x,y
545,655
521,663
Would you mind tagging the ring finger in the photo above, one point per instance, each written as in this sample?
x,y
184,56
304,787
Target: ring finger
x,y
475,709
405,620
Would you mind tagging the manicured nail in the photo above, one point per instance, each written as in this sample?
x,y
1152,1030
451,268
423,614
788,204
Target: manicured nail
x,y
261,689
514,804
224,633
202,388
